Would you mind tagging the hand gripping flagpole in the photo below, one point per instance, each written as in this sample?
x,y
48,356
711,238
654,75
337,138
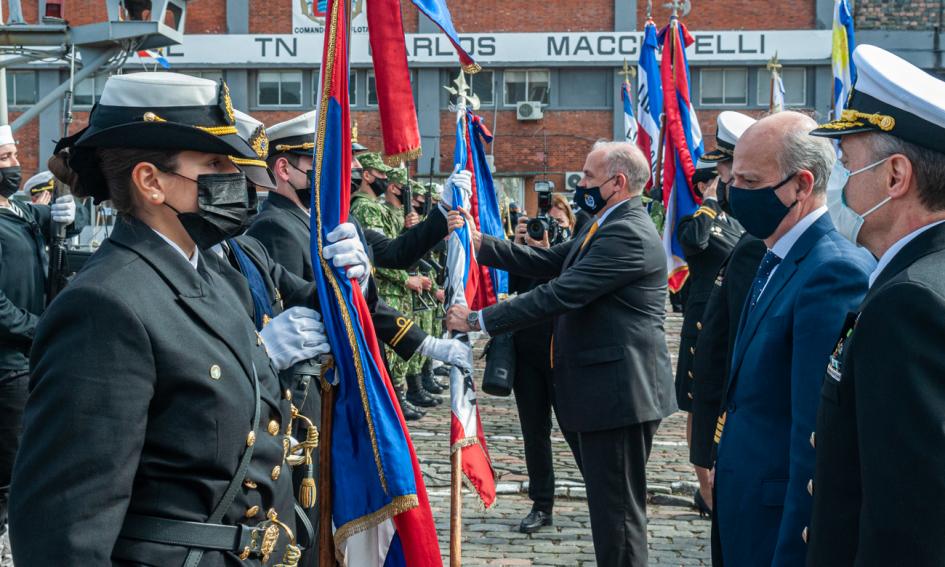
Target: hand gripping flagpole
x,y
458,376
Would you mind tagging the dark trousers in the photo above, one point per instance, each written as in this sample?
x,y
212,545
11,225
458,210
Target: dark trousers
x,y
615,476
14,388
534,396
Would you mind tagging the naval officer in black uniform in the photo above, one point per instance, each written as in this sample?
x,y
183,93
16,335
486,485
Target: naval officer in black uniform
x,y
707,238
156,430
716,329
879,483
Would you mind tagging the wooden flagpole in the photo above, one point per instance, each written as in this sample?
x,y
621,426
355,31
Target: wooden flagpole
x,y
325,537
456,508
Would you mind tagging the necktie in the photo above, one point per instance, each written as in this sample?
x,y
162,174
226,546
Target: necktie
x,y
768,264
590,233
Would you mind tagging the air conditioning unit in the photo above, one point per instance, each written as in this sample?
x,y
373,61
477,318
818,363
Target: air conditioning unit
x,y
528,110
571,179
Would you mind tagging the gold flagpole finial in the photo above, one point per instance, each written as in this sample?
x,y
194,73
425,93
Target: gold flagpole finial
x,y
354,133
773,64
627,72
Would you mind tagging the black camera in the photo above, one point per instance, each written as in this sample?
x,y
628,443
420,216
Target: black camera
x,y
538,226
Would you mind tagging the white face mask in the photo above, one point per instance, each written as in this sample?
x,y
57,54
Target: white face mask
x,y
847,221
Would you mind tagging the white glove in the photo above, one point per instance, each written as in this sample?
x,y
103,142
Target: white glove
x,y
461,179
347,251
294,335
450,351
63,210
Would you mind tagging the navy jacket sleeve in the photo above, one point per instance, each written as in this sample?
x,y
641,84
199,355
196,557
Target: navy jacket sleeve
x,y
694,230
614,258
524,260
16,325
408,248
92,468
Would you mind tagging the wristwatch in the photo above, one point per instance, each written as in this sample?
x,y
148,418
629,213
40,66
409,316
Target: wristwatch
x,y
473,320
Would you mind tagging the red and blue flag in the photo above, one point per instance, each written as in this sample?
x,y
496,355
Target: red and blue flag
x,y
380,508
471,136
464,276
682,146
649,99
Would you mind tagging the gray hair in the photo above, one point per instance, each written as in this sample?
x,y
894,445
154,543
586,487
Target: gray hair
x,y
801,151
928,166
625,158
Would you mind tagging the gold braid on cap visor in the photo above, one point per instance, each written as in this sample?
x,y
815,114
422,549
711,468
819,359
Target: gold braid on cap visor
x,y
215,130
854,118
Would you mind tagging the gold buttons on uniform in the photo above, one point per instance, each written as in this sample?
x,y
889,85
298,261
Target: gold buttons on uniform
x,y
690,395
276,471
692,350
810,487
250,484
804,534
812,439
288,394
699,325
251,439
252,511
690,374
215,372
273,428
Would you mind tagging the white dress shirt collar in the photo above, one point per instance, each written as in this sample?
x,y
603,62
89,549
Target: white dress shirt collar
x,y
192,259
896,248
600,221
784,244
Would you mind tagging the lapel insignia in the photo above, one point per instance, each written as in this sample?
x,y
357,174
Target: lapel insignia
x,y
835,363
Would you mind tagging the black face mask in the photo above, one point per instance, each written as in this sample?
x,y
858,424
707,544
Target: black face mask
x,y
590,198
10,181
223,204
722,196
304,194
378,186
760,210
357,175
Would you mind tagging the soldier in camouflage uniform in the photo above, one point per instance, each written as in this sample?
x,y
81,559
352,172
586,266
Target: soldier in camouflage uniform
x,y
431,320
393,203
392,284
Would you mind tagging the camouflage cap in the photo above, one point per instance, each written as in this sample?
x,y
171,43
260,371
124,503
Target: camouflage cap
x,y
418,188
397,175
373,160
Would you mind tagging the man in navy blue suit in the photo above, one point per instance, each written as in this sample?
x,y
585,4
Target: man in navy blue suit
x,y
809,279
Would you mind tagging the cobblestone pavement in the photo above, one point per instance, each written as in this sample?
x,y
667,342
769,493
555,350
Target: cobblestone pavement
x,y
678,536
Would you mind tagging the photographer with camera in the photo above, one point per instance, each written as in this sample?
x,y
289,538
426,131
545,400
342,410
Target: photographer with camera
x,y
534,394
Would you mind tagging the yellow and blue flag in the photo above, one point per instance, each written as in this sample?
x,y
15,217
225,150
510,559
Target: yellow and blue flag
x,y
844,42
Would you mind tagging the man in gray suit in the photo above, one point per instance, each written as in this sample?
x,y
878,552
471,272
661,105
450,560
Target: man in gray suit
x,y
612,376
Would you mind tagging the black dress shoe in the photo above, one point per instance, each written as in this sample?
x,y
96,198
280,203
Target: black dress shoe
x,y
442,370
701,505
534,522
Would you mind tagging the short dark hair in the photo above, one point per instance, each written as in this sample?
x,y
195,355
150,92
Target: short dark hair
x,y
928,165
116,165
290,157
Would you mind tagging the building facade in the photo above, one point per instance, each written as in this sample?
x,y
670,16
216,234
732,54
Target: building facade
x,y
561,57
